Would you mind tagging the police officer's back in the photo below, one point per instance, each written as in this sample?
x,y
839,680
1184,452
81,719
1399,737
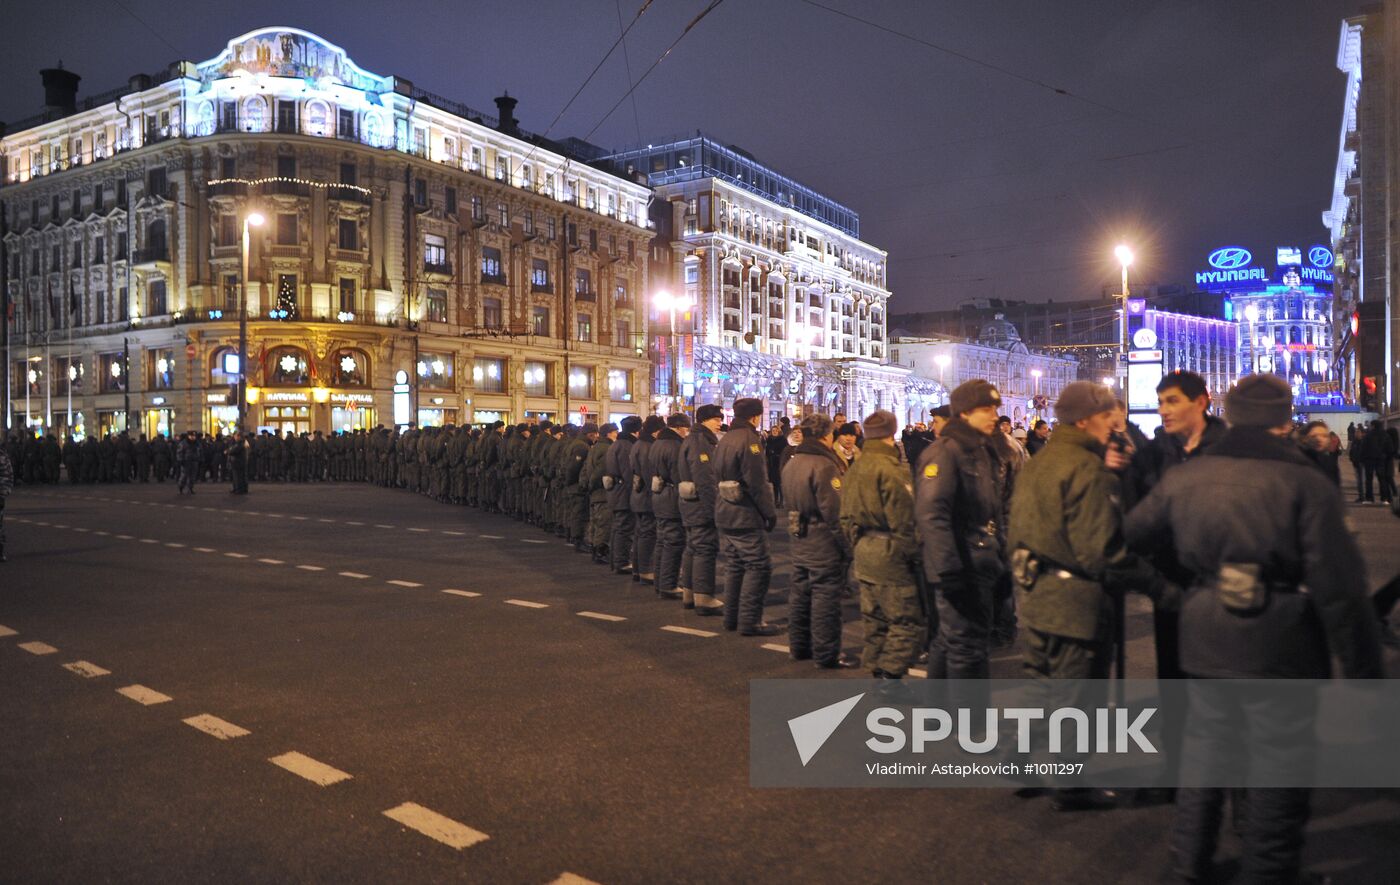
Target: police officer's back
x,y
744,514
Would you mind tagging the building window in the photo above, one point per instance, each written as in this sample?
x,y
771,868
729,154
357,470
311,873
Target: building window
x,y
620,384
228,229
349,368
583,283
113,372
624,334
527,222
620,297
581,382
162,369
155,299
491,271
349,234
435,370
286,167
502,168
539,319
476,159
155,182
345,124
503,215
539,274
435,253
450,197
286,307
489,375
420,193
231,292
584,325
593,239
347,298
286,116
550,229
491,313
538,379
349,174
437,305
287,366
478,212
287,229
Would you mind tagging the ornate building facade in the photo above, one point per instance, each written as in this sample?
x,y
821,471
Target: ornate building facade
x,y
774,295
417,260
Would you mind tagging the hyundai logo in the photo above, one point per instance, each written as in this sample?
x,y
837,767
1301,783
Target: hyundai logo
x,y
1320,256
1230,258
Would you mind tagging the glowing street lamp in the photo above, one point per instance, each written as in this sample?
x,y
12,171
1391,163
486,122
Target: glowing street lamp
x,y
669,303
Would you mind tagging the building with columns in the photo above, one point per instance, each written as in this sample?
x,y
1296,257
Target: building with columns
x,y
408,243
769,289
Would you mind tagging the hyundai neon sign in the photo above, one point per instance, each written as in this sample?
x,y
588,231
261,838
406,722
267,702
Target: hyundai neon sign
x,y
1230,258
1231,265
1320,256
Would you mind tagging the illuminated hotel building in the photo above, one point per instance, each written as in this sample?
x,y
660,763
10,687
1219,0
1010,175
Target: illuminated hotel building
x,y
779,297
408,241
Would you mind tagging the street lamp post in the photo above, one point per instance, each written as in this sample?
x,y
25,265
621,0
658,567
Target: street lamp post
x,y
1036,373
252,219
1124,254
1251,313
943,360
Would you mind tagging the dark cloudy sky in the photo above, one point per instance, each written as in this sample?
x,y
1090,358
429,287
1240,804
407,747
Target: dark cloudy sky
x,y
1189,124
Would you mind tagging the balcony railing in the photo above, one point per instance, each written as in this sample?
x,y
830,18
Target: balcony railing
x,y
585,296
443,268
286,188
348,194
151,255
228,189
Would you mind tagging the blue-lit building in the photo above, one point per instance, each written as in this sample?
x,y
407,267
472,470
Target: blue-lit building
x,y
1284,314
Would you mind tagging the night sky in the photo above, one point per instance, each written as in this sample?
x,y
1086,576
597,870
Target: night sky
x,y
1188,125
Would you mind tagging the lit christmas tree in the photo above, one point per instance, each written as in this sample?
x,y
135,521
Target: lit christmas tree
x,y
286,298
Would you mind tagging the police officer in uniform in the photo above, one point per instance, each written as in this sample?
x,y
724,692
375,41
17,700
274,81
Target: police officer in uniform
x,y
573,494
644,554
1256,523
695,486
959,509
877,518
670,533
820,553
617,479
744,515
599,513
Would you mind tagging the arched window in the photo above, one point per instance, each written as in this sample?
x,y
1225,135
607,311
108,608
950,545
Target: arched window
x,y
204,119
349,368
317,117
254,114
217,376
374,130
286,366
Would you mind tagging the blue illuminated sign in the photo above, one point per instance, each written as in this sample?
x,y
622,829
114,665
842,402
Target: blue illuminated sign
x,y
1230,258
1289,256
1320,256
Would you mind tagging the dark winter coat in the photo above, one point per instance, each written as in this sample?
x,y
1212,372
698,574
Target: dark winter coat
x,y
662,464
959,505
697,466
739,457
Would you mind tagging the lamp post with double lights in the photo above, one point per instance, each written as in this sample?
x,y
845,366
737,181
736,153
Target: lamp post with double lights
x,y
671,304
251,219
1036,373
1124,254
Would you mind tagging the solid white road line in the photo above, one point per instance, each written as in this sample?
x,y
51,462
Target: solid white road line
x,y
467,593
143,695
86,669
525,603
688,631
435,826
398,583
773,646
215,726
353,575
312,568
38,648
599,616
273,561
6,631
318,773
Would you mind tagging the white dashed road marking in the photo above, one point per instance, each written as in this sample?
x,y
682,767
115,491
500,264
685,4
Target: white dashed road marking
x,y
398,583
143,695
80,529
273,561
572,879
459,534
173,544
688,631
353,575
318,773
236,555
86,669
215,726
435,826
205,550
773,646
38,648
103,534
312,568
467,593
599,616
149,541
323,519
124,537
917,673
419,530
352,522
6,631
302,518
533,541
525,603
381,526
493,537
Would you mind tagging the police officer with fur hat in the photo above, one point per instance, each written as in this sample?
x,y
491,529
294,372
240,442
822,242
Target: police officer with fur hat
x,y
663,463
958,505
644,549
617,480
744,515
695,486
599,512
1279,593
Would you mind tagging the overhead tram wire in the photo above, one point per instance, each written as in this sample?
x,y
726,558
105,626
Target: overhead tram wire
x,y
147,25
646,4
627,62
991,66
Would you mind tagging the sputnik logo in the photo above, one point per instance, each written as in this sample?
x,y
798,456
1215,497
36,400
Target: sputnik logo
x,y
811,730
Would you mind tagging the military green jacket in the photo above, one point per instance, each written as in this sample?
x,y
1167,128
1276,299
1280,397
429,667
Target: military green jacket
x,y
877,516
592,476
1066,510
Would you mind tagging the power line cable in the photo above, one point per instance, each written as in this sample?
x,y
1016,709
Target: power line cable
x,y
627,62
147,26
646,4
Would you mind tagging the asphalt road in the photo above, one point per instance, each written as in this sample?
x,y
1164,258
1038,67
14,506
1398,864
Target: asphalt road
x,y
520,714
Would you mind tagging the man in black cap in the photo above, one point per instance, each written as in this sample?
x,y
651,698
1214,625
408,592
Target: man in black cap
x,y
744,515
573,503
617,480
960,511
1248,616
599,512
696,490
665,505
644,550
